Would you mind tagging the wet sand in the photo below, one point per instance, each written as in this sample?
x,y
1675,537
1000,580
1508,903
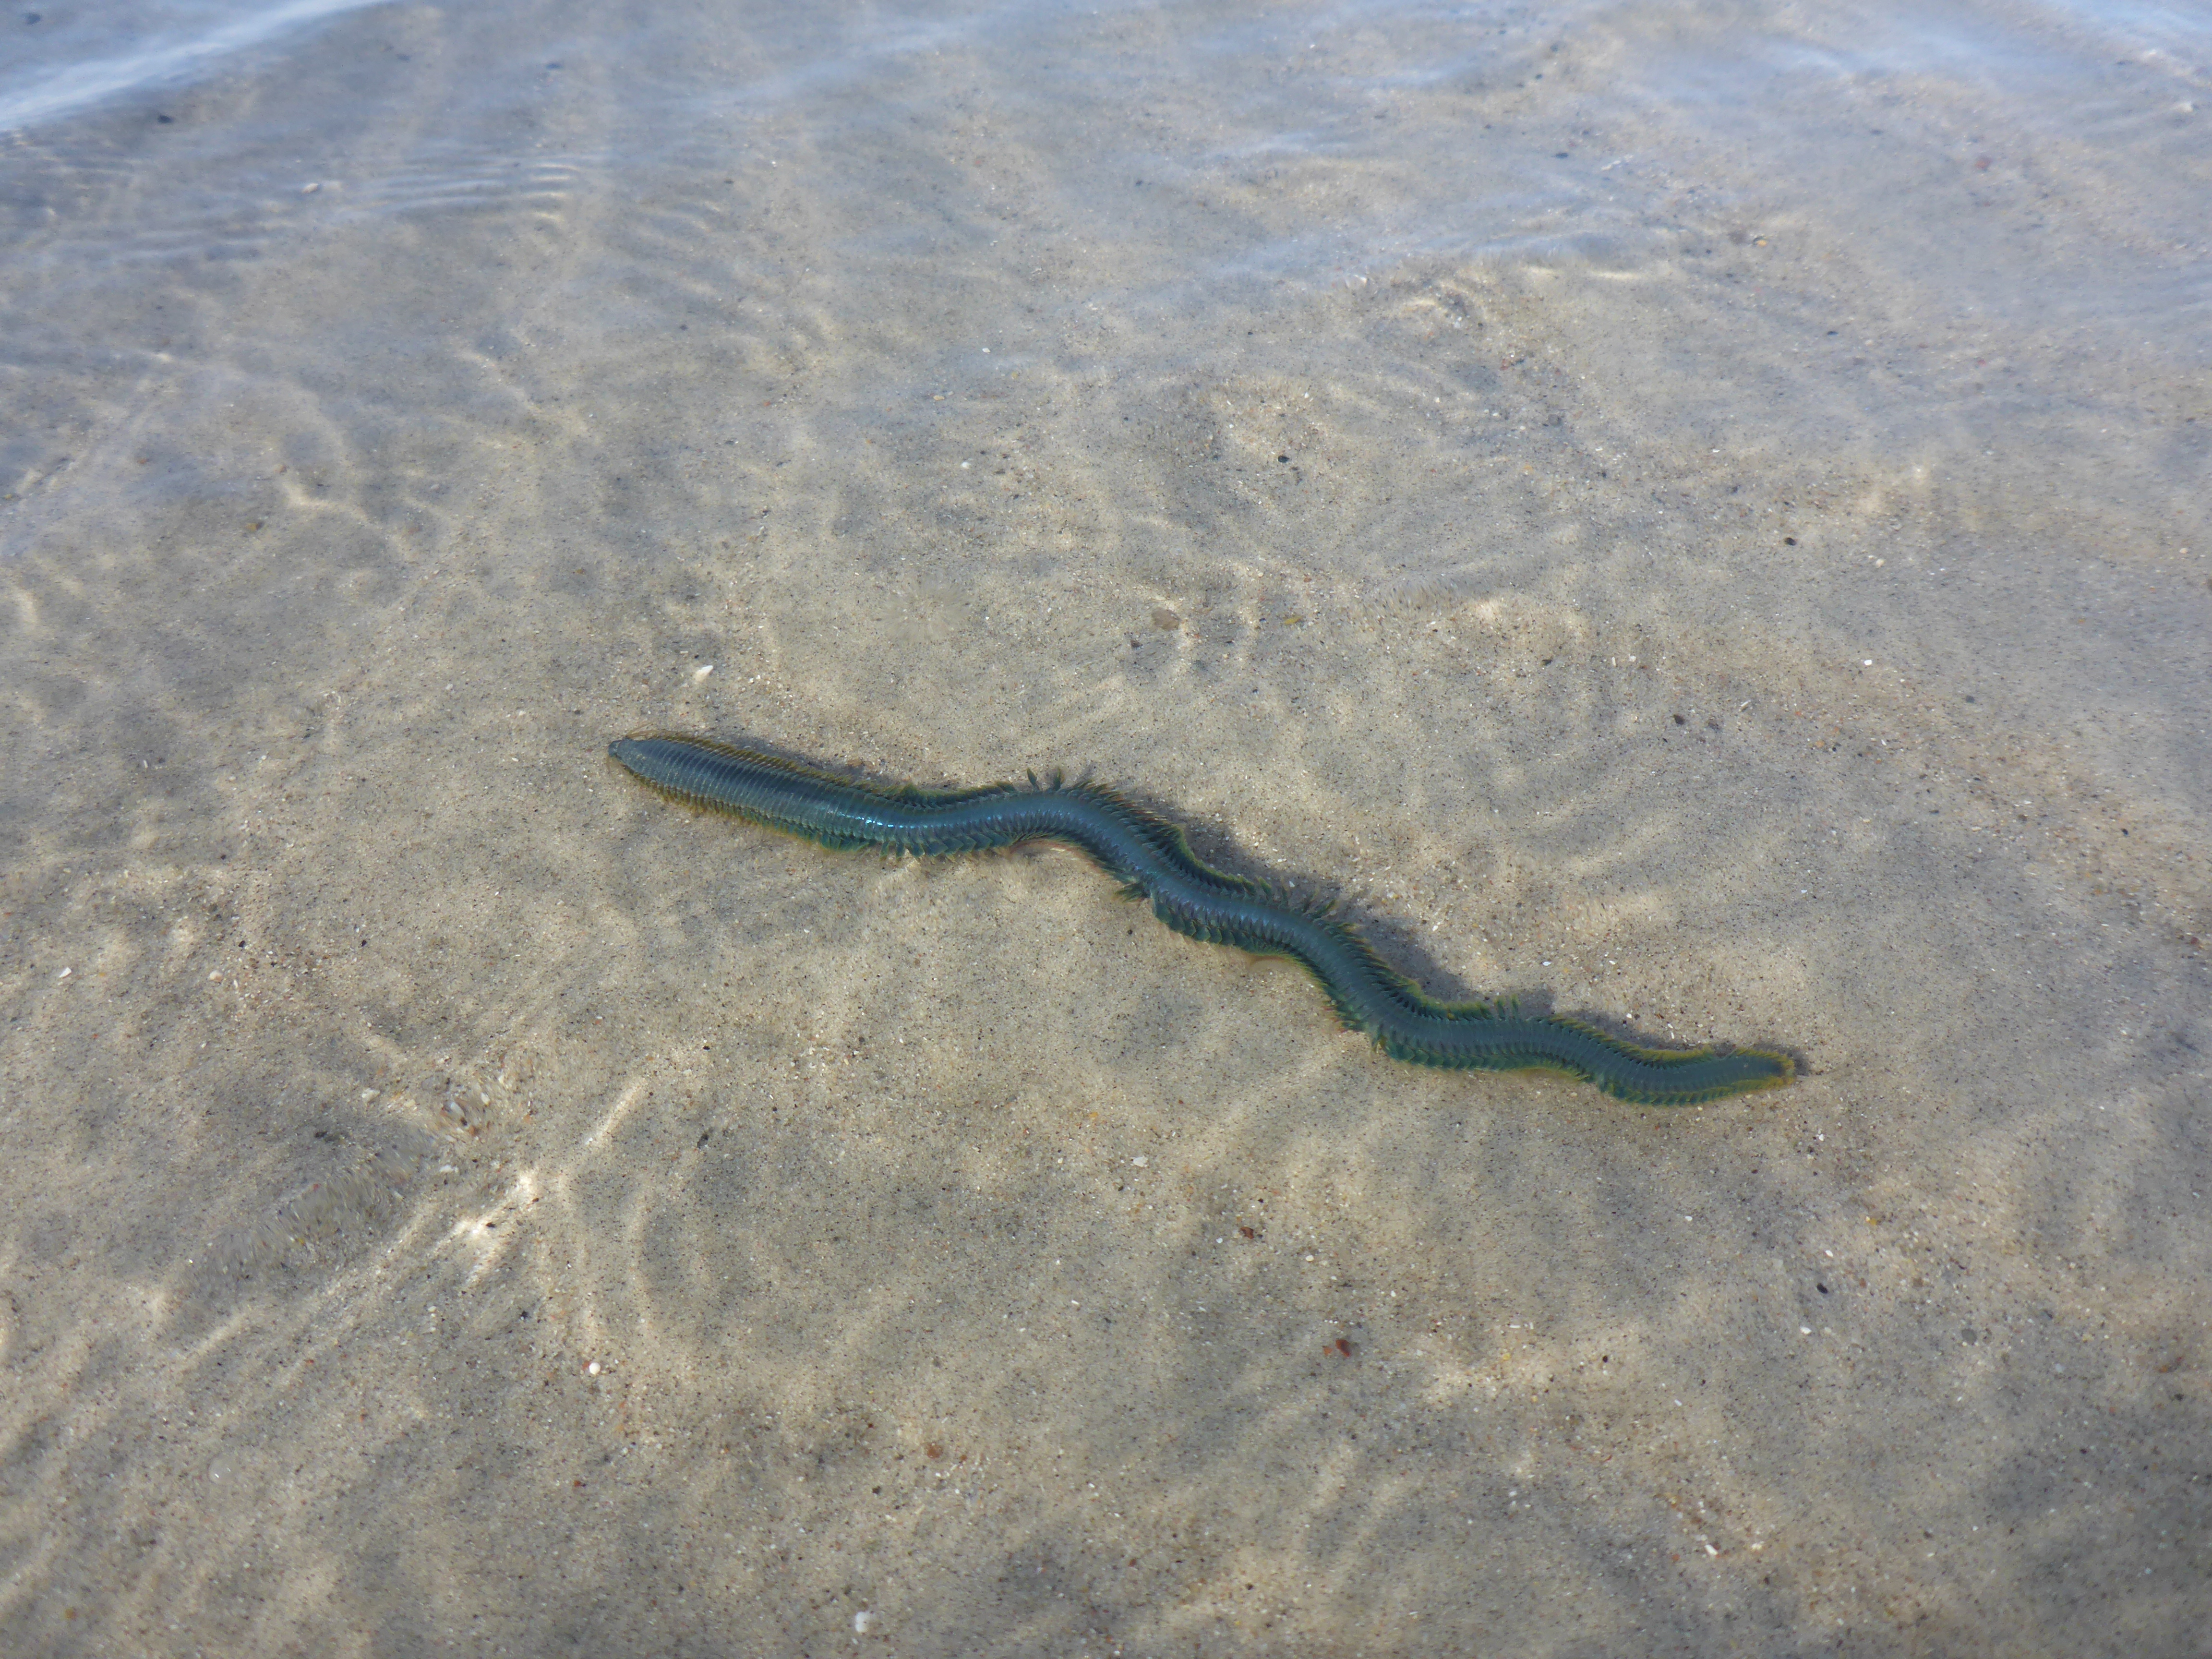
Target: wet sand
x,y
456,1200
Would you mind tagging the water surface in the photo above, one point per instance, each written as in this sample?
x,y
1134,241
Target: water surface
x,y
1692,518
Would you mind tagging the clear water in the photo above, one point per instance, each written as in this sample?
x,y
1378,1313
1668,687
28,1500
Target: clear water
x,y
1693,516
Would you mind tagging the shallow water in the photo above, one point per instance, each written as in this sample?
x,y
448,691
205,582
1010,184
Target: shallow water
x,y
1690,518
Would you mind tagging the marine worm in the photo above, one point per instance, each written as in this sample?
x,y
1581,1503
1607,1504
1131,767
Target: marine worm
x,y
1152,861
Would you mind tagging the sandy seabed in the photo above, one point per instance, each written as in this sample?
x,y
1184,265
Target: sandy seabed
x,y
1696,525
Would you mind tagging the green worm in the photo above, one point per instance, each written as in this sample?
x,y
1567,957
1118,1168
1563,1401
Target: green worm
x,y
1152,861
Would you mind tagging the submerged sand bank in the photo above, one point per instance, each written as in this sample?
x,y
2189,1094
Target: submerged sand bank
x,y
455,1198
